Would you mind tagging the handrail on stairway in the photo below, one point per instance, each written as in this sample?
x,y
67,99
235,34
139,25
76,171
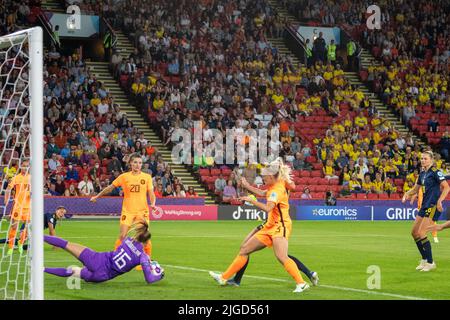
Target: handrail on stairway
x,y
299,39
47,26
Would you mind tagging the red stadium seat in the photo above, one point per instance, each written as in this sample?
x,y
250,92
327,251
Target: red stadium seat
x,y
361,196
305,173
395,196
383,196
203,172
372,196
316,174
215,172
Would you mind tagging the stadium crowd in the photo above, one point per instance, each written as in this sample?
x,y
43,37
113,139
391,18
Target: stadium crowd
x,y
88,138
210,61
217,67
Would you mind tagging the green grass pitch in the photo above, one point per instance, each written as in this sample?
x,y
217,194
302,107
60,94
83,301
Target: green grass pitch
x,y
340,252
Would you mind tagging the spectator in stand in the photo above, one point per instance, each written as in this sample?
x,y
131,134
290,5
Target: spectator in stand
x,y
345,191
60,186
319,49
179,192
220,184
330,200
433,124
191,192
72,174
329,171
306,194
53,163
95,172
114,165
168,192
52,148
408,113
159,191
71,191
85,187
445,146
300,163
229,192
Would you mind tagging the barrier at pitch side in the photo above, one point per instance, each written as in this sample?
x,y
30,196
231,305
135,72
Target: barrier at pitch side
x,y
386,210
106,205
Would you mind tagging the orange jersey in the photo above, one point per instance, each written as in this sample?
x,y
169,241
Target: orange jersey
x,y
280,213
22,185
135,188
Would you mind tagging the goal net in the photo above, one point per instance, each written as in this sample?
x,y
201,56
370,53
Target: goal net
x,y
21,159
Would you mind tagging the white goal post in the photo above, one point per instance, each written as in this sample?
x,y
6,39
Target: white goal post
x,y
21,79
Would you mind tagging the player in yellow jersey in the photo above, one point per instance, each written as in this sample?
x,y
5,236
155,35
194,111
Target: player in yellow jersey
x,y
136,186
274,232
21,184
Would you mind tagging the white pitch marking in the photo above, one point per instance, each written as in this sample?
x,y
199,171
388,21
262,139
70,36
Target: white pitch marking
x,y
393,295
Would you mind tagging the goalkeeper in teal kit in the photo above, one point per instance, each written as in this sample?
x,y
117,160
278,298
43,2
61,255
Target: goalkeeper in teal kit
x,y
103,266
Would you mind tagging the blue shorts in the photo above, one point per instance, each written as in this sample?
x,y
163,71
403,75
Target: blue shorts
x,y
431,212
94,266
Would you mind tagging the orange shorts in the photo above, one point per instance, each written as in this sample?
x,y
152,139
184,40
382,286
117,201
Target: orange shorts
x,y
21,214
129,218
267,234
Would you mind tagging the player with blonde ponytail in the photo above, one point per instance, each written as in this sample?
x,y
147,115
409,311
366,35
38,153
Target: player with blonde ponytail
x,y
275,231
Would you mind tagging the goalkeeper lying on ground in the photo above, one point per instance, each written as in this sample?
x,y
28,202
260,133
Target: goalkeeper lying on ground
x,y
103,266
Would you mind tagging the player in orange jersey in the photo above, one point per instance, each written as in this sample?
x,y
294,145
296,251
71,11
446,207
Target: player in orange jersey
x,y
274,232
136,185
21,184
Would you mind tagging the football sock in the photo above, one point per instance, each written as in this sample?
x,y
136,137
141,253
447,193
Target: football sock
x,y
292,269
117,244
420,247
60,272
427,250
11,237
301,266
23,236
235,266
238,277
148,248
55,241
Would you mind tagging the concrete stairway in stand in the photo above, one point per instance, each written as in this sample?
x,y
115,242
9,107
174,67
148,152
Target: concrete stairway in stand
x,y
52,6
102,73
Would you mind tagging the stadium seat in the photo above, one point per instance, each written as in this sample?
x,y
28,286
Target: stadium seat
x,y
305,173
215,172
395,196
361,196
316,174
203,172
